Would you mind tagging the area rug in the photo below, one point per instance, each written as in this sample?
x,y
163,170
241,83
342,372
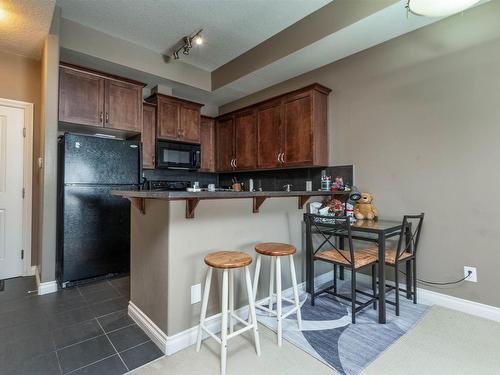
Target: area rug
x,y
328,334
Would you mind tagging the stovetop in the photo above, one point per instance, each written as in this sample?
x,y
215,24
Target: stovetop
x,y
168,185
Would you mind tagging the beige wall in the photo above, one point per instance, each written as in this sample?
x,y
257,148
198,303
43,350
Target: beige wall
x,y
20,80
421,123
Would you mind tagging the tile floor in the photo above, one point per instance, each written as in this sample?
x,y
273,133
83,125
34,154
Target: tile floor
x,y
82,330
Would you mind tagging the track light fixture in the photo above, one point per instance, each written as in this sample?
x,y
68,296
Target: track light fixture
x,y
186,44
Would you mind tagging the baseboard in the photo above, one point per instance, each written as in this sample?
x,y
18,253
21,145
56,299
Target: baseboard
x,y
148,326
44,288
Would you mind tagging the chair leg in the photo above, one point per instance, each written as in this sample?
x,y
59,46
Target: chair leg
x,y
271,283
374,285
204,305
231,300
353,294
278,301
335,278
396,281
409,280
223,331
252,316
312,282
414,280
295,293
256,276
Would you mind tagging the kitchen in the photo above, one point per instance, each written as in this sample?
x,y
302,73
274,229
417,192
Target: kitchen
x,y
241,186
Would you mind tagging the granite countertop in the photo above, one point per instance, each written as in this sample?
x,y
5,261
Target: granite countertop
x,y
179,195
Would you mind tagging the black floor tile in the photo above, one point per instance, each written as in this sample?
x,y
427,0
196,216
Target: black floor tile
x,y
46,364
24,331
109,366
76,333
70,317
13,354
18,317
55,304
102,295
120,282
124,291
85,353
115,321
141,355
109,306
128,337
94,287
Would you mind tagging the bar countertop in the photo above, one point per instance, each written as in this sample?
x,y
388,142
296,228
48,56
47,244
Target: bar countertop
x,y
180,195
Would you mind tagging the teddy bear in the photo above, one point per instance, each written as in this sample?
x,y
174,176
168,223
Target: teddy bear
x,y
364,208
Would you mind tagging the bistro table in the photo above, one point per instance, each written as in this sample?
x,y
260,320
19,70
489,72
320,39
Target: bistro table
x,y
377,231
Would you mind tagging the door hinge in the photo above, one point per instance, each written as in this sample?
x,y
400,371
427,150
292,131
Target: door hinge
x,y
22,254
24,192
24,132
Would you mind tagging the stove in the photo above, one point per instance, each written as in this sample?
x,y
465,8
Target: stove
x,y
169,185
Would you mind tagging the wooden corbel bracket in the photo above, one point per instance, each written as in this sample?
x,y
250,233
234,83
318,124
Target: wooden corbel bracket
x,y
190,207
257,202
139,203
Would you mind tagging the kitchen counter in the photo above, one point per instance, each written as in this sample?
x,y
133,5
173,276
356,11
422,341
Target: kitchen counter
x,y
137,198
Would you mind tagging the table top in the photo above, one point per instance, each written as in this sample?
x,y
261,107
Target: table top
x,y
376,226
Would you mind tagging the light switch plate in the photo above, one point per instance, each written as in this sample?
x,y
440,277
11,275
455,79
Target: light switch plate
x,y
195,293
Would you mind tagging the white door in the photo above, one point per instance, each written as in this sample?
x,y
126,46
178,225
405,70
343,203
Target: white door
x,y
11,191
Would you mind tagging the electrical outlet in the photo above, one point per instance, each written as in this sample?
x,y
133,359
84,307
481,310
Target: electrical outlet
x,y
473,276
195,293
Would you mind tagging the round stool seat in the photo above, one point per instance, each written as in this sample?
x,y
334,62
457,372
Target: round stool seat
x,y
275,249
228,259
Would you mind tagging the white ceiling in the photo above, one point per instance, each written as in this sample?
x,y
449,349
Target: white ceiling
x,y
231,27
25,25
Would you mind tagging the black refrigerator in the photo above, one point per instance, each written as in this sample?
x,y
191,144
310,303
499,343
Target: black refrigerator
x,y
93,226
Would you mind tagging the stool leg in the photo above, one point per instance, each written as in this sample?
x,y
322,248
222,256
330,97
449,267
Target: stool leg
x,y
271,284
231,300
295,292
278,300
223,331
204,305
256,276
251,306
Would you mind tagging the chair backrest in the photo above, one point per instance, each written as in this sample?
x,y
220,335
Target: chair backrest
x,y
328,227
410,234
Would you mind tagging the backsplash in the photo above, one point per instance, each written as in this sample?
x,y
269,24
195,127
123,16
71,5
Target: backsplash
x,y
276,179
181,175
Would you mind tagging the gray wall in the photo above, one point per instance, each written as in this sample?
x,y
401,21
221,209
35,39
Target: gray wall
x,y
419,117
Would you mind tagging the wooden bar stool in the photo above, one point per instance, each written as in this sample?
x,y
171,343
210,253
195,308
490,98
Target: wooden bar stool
x,y
276,251
228,261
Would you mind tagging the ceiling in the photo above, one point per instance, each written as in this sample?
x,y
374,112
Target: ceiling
x,y
24,25
231,27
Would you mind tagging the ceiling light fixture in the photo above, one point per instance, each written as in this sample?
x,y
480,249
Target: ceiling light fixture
x,y
3,13
186,44
438,8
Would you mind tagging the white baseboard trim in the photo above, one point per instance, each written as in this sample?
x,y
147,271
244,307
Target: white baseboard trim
x,y
172,344
44,288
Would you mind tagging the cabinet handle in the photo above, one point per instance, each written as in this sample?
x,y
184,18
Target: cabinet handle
x,y
283,157
279,154
235,165
107,117
101,118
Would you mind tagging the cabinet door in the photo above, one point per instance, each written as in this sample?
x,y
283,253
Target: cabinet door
x,y
245,140
207,140
297,123
123,106
168,113
81,97
269,135
225,144
190,123
148,137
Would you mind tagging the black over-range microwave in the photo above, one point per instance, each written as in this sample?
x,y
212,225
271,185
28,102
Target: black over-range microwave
x,y
177,155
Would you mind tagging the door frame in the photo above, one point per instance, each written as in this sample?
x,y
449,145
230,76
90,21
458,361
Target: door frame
x,y
27,179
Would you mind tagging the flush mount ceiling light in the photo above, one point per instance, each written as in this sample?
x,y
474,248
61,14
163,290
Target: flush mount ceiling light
x,y
438,8
186,44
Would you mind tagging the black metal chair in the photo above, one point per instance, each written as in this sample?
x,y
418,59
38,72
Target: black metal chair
x,y
407,253
355,260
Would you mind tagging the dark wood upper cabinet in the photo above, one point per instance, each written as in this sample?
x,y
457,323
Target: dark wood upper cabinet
x,y
178,119
81,97
123,103
225,144
88,97
245,140
207,140
148,136
287,131
269,135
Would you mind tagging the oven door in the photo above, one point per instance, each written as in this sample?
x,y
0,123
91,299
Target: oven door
x,y
177,155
